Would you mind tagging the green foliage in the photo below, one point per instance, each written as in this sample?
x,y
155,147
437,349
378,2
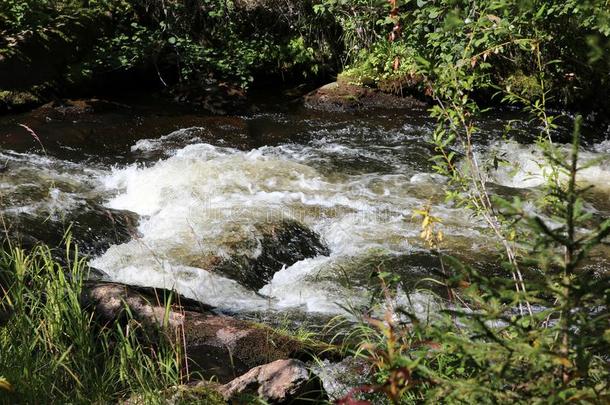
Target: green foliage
x,y
481,348
540,337
53,350
17,16
184,42
491,38
387,65
362,21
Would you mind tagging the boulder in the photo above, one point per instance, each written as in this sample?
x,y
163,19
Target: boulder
x,y
210,95
277,382
282,381
217,345
280,243
76,109
342,96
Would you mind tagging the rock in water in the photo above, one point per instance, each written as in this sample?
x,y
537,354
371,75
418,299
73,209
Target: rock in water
x,y
280,244
343,96
339,378
276,382
94,229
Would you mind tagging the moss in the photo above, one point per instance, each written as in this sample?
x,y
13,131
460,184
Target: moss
x,y
300,342
13,99
264,345
358,76
200,394
351,97
525,85
396,83
20,99
239,344
389,67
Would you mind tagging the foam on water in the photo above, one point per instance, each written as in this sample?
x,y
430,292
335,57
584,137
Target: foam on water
x,y
203,201
524,166
44,186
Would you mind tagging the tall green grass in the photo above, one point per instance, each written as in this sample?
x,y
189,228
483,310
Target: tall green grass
x,y
53,351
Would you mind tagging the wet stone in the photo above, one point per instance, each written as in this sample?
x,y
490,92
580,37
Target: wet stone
x,y
281,245
277,382
342,96
93,229
217,346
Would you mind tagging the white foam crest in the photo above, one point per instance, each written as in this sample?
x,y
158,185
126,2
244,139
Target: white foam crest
x,y
134,264
602,147
206,201
170,142
43,185
293,288
524,166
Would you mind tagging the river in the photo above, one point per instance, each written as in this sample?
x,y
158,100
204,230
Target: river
x,y
189,191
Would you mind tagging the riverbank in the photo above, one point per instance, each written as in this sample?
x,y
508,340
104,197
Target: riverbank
x,y
114,343
210,55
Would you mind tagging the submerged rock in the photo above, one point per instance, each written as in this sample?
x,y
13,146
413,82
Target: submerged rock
x,y
362,271
277,382
277,245
217,345
93,230
218,98
342,96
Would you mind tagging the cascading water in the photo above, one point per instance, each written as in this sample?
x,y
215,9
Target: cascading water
x,y
352,180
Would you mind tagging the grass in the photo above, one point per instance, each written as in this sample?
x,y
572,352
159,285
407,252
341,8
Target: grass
x,y
53,351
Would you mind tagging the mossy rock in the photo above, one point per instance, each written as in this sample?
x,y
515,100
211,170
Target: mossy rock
x,y
524,85
15,100
356,78
93,230
343,95
218,346
223,347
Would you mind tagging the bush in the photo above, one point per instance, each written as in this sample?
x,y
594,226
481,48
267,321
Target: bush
x,y
494,37
544,339
540,337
